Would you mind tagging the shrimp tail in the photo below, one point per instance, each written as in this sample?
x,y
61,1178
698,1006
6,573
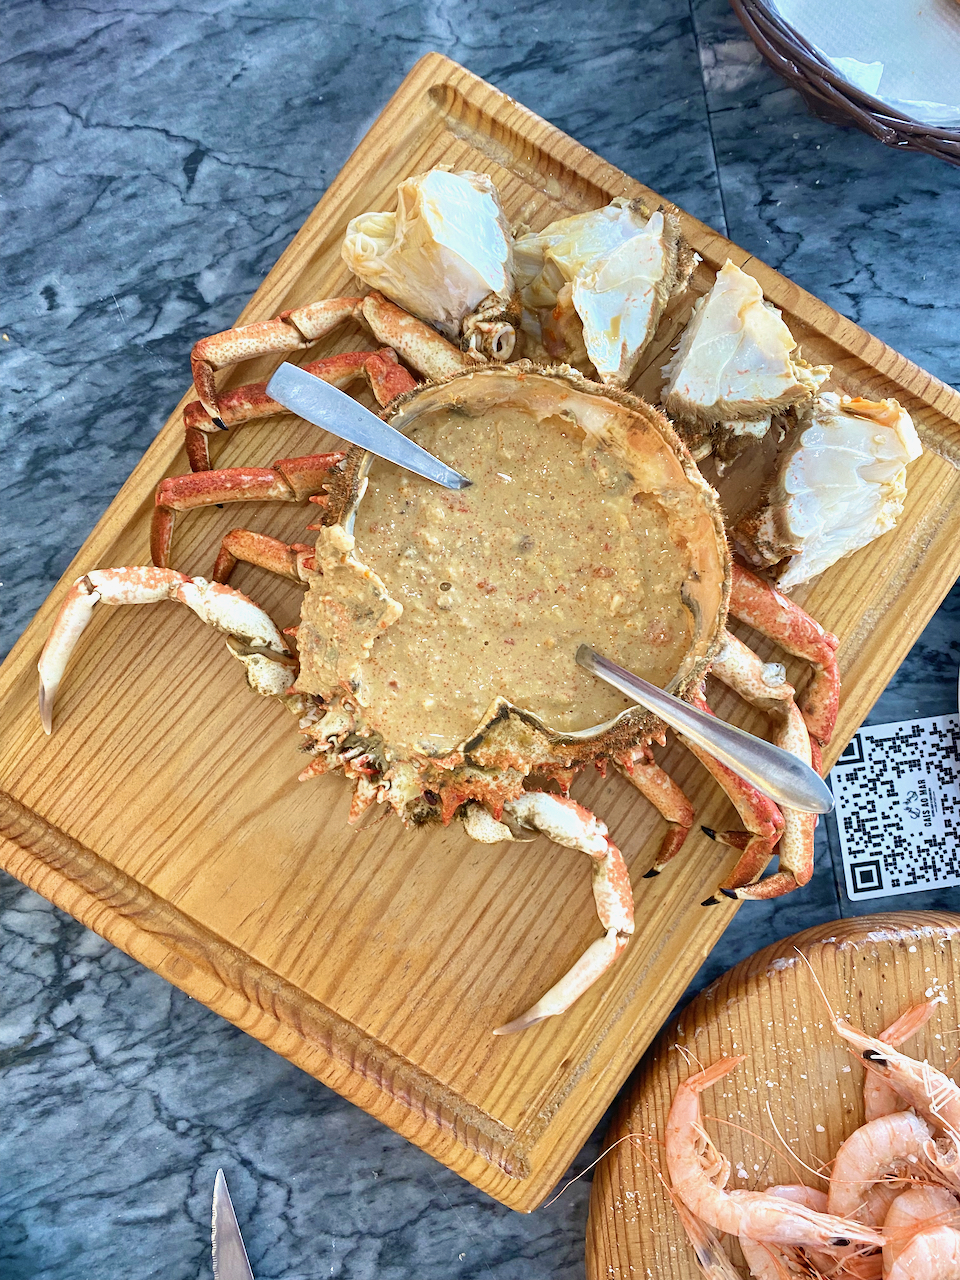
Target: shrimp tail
x,y
712,1258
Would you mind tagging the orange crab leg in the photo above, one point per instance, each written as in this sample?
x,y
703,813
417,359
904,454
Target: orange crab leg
x,y
289,331
570,824
761,817
416,342
387,378
244,404
261,550
762,607
419,344
288,480
639,766
764,685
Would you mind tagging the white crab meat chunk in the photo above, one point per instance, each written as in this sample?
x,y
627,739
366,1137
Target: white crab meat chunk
x,y
445,250
615,268
621,300
841,482
735,358
547,260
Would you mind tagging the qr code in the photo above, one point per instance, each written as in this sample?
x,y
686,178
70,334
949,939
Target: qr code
x,y
897,788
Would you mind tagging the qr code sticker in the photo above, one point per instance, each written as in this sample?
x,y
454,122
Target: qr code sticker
x,y
897,788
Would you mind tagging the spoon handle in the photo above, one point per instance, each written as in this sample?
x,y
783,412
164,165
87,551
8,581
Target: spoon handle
x,y
776,773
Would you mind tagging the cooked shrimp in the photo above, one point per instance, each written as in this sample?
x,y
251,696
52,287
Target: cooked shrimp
x,y
693,1160
799,1194
916,1209
778,1262
933,1093
772,1261
886,1146
710,1253
879,1097
877,1201
930,1255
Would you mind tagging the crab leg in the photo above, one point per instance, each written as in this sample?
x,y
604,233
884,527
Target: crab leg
x,y
764,685
289,331
762,607
288,480
761,817
640,768
261,550
387,378
252,636
244,404
574,827
418,343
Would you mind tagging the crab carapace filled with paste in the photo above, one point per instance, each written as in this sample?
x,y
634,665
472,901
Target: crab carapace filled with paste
x,y
573,531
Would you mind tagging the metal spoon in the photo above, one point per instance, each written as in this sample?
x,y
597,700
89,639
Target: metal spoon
x,y
776,773
327,406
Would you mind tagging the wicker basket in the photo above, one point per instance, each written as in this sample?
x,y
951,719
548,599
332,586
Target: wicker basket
x,y
831,97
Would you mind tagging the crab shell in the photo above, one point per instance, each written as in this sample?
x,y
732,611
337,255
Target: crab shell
x,y
338,626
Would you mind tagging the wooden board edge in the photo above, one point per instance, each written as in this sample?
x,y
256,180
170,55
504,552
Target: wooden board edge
x,y
937,569
251,996
848,931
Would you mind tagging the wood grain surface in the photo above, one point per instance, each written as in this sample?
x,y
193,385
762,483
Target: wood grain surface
x,y
784,1112
164,811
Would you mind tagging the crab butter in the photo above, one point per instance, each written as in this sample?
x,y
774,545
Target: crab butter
x,y
458,599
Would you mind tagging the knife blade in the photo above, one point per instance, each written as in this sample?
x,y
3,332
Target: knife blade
x,y
229,1256
327,406
776,773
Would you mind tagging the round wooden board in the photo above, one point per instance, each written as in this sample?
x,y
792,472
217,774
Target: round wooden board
x,y
799,1078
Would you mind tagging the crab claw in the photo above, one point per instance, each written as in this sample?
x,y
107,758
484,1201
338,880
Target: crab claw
x,y
569,824
213,602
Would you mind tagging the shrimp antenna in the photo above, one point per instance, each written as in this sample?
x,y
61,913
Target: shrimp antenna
x,y
758,1137
627,1137
819,985
688,1055
792,1154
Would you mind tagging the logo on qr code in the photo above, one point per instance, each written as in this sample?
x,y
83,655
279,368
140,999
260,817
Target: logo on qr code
x,y
897,788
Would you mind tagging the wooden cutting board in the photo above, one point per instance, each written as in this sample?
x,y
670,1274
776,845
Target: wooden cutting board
x,y
165,812
799,1079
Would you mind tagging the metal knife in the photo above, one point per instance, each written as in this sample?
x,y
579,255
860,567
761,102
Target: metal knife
x,y
776,773
328,407
229,1255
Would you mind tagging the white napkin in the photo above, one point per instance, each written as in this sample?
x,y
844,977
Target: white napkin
x,y
904,52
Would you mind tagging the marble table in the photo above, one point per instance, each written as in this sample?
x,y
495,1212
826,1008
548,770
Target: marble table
x,y
156,161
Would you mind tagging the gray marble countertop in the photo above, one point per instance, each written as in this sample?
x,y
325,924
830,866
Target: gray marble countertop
x,y
156,161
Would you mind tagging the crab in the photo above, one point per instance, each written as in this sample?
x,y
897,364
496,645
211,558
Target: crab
x,y
488,763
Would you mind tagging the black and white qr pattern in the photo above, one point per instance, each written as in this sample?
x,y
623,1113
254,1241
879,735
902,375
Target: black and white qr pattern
x,y
897,788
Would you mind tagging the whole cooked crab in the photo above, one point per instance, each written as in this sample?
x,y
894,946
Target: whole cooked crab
x,y
410,590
